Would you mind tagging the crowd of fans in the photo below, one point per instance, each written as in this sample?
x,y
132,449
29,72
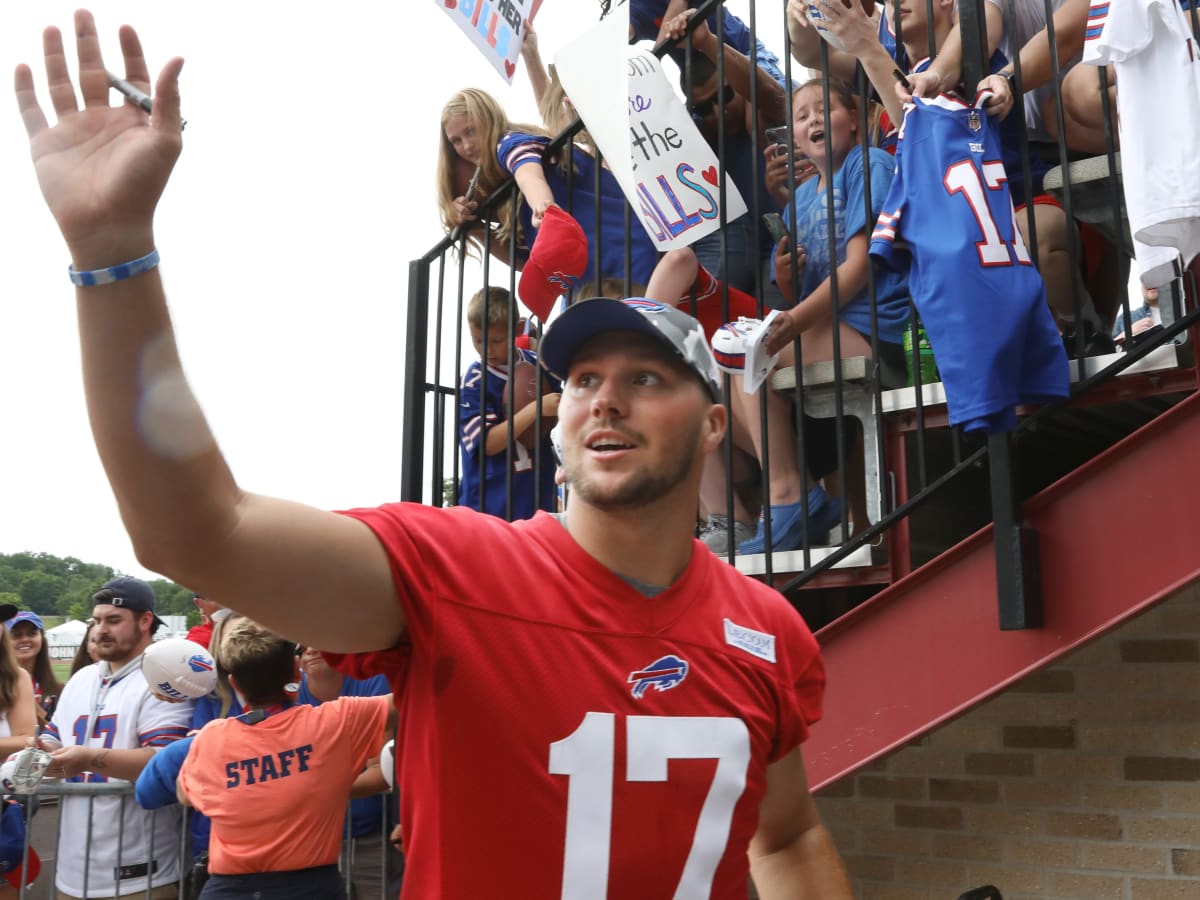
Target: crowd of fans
x,y
833,298
280,711
119,844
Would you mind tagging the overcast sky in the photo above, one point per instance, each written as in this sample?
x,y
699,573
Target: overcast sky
x,y
304,188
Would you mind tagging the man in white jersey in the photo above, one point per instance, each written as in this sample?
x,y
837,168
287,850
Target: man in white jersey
x,y
109,703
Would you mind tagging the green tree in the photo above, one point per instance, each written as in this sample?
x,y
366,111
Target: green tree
x,y
49,584
40,591
81,610
172,599
10,597
10,578
25,562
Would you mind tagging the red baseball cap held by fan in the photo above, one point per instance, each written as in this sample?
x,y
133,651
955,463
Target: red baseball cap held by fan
x,y
556,262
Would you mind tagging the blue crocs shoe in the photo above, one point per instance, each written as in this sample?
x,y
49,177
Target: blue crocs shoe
x,y
788,526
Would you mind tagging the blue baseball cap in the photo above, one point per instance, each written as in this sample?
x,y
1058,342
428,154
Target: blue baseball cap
x,y
26,615
15,867
129,593
673,328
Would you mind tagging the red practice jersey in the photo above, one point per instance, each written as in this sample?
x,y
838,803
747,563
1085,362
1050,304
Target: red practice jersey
x,y
564,735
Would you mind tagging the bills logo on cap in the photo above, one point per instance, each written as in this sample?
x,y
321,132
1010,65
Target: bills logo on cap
x,y
200,663
663,674
562,281
641,304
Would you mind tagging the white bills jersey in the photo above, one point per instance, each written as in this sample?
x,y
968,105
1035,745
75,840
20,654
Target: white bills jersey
x,y
116,712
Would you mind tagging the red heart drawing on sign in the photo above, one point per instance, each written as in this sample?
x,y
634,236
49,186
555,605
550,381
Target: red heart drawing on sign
x,y
509,68
450,4
710,175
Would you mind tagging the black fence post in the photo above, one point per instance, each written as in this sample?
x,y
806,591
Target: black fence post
x,y
1018,568
412,452
974,44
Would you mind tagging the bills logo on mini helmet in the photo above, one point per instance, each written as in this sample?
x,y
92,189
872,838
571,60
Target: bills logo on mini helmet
x,y
663,674
729,346
179,669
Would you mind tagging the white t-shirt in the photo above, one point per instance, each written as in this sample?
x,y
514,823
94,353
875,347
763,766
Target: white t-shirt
x,y
123,715
1150,45
1029,17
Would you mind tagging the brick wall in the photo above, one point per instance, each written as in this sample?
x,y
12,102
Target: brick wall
x,y
1081,781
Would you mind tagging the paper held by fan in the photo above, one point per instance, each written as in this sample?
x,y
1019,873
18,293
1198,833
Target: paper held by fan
x,y
758,363
667,171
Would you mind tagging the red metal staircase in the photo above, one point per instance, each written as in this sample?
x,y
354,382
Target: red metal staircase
x,y
928,648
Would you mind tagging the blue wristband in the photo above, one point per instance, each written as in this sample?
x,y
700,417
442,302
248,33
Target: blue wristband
x,y
114,273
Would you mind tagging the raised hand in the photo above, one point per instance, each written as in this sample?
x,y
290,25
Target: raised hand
x,y
797,13
1001,101
775,172
529,45
923,84
676,28
463,210
856,31
101,169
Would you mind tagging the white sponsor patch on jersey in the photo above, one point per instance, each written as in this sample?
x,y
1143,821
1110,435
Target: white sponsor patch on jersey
x,y
756,643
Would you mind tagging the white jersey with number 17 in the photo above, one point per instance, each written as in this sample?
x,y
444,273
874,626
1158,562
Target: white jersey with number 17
x,y
127,843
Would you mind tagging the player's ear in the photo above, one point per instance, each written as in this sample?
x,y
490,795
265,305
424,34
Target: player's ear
x,y
716,420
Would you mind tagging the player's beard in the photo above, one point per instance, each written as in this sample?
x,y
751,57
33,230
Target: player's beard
x,y
118,651
641,487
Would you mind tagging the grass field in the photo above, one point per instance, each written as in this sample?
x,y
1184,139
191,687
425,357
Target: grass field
x,y
62,669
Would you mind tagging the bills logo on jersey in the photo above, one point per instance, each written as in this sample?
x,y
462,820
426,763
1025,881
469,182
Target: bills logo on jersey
x,y
200,663
662,674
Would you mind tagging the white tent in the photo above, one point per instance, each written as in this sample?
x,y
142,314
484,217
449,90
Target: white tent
x,y
64,639
70,632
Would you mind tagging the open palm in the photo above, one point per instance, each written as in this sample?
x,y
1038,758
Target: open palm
x,y
101,169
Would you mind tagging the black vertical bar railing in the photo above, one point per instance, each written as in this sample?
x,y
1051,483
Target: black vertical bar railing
x,y
413,444
1017,575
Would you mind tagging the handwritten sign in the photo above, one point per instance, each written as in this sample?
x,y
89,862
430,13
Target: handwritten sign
x,y
664,166
496,27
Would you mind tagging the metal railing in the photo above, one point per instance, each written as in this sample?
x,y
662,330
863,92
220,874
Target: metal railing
x,y
922,455
52,794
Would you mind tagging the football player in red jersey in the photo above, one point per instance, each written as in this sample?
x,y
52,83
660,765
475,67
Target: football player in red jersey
x,y
622,719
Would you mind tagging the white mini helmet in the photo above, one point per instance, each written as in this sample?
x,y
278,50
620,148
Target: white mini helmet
x,y
729,344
